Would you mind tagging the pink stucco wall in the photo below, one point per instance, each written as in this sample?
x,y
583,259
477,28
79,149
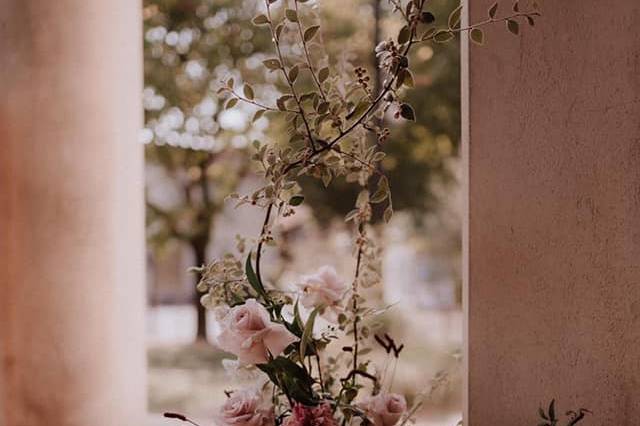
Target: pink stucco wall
x,y
71,214
554,215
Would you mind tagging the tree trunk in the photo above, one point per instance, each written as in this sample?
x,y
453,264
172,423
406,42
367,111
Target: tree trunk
x,y
199,249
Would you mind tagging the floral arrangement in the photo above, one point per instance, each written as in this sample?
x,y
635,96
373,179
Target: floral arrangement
x,y
307,374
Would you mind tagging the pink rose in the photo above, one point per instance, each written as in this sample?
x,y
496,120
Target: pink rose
x,y
384,409
324,287
322,415
248,333
245,408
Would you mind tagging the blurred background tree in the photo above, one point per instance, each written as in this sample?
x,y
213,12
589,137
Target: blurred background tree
x,y
197,151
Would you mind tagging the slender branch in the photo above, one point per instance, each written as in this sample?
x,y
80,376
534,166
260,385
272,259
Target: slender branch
x,y
258,104
276,43
308,56
477,25
265,224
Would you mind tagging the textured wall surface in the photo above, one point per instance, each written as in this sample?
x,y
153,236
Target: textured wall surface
x,y
71,214
554,215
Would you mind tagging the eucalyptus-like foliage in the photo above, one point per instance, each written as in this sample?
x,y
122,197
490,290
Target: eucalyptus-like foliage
x,y
333,118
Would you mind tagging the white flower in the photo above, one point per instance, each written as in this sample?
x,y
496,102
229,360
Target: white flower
x,y
324,288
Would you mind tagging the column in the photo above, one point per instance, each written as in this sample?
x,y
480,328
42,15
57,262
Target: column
x,y
71,214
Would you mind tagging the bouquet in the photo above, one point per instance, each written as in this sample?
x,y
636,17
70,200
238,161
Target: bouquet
x,y
307,348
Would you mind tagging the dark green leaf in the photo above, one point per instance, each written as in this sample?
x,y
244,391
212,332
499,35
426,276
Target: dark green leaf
x,y
248,92
323,74
311,32
477,36
253,278
443,36
542,413
296,200
552,410
260,20
307,334
231,103
427,18
272,64
404,35
406,112
259,113
492,10
293,73
291,15
513,26
454,17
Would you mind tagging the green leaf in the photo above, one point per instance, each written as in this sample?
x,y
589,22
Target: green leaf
x,y
454,17
293,73
406,112
492,10
291,15
359,109
427,18
259,113
307,334
260,20
531,21
292,379
296,200
513,26
552,410
404,35
231,103
542,414
248,92
310,32
477,36
516,7
443,36
272,64
323,74
230,83
253,278
388,213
